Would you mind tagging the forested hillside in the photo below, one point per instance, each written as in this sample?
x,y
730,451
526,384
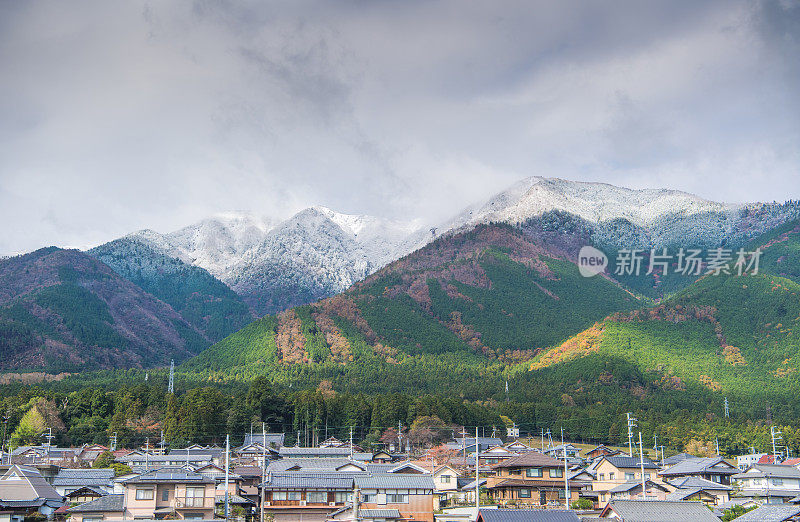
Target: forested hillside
x,y
62,310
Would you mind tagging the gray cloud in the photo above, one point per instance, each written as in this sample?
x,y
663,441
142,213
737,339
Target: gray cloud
x,y
116,116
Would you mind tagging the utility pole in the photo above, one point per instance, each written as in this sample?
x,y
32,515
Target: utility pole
x,y
776,437
263,468
147,454
171,386
542,440
227,471
351,443
6,418
641,464
477,475
655,444
399,437
566,471
631,425
727,411
114,442
716,444
163,443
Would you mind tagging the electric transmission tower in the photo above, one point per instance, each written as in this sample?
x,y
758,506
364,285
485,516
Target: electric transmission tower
x,y
171,386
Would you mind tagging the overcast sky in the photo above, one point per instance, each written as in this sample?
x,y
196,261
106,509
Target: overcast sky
x,y
116,116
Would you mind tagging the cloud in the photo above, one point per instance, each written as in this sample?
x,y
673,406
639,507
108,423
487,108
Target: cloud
x,y
119,116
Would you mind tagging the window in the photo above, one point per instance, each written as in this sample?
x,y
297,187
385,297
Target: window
x,y
286,495
630,476
317,497
602,476
515,471
612,476
562,494
533,472
647,476
165,495
397,498
194,497
777,482
446,479
341,497
144,494
556,473
524,493
602,497
369,498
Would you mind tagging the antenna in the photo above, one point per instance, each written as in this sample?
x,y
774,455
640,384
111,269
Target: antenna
x,y
171,386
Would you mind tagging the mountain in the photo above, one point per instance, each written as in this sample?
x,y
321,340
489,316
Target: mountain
x,y
202,300
63,310
622,217
272,265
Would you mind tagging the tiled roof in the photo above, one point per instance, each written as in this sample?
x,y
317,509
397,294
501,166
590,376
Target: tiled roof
x,y
395,481
674,459
29,484
83,477
697,482
630,462
660,511
311,463
634,484
302,481
529,458
770,513
379,513
113,503
170,475
769,470
528,515
323,452
701,465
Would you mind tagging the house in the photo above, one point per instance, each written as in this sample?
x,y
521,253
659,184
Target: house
x,y
620,469
382,457
84,494
25,492
768,483
674,459
531,478
216,454
494,455
69,480
88,453
465,445
341,452
368,515
410,494
270,440
601,451
44,454
527,515
445,481
168,492
772,513
572,453
633,490
141,462
714,469
745,461
256,452
696,488
308,496
657,511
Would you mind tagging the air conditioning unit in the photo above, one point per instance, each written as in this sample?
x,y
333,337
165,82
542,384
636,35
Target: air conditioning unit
x,y
267,503
331,504
302,502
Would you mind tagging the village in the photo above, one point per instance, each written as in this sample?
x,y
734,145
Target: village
x,y
466,479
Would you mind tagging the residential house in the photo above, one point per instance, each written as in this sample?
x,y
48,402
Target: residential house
x,y
743,462
527,515
633,490
168,492
69,480
572,453
714,469
531,478
657,511
216,454
88,453
618,470
294,496
270,440
601,451
466,445
368,515
674,459
25,492
44,454
141,461
445,480
772,513
297,452
83,495
410,494
696,488
768,483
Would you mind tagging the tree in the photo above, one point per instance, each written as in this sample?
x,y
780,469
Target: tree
x,y
104,460
30,428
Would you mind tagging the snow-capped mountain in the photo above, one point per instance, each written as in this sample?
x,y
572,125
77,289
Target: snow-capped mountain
x,y
276,264
626,217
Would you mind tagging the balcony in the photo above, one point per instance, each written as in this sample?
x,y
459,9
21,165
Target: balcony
x,y
194,503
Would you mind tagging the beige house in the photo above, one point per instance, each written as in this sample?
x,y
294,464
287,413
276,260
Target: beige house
x,y
158,494
618,470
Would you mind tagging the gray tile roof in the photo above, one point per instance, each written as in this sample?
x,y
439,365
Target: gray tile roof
x,y
113,503
528,515
770,513
630,462
311,463
698,465
29,485
298,452
84,477
302,481
170,475
698,482
394,481
271,438
769,470
379,513
674,459
660,511
633,484
529,459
